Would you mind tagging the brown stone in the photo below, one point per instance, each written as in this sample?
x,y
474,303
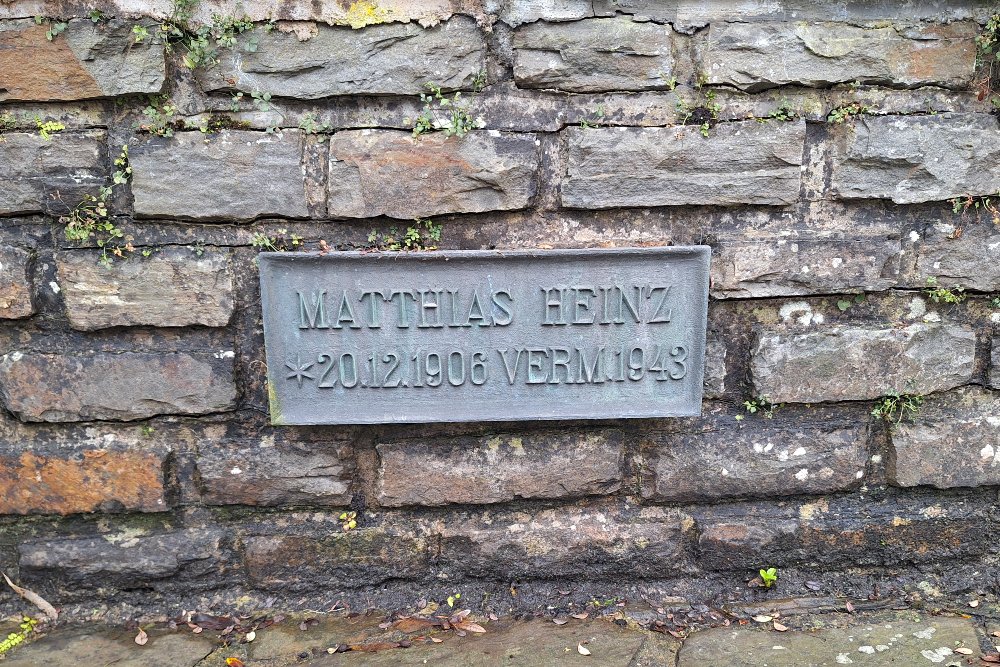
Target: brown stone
x,y
85,480
391,173
757,457
126,386
174,287
15,283
274,475
499,468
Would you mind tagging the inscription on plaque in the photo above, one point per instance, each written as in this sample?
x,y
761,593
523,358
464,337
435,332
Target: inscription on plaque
x,y
371,338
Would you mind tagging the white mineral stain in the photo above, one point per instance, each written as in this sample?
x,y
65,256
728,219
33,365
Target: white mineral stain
x,y
925,634
837,261
54,286
869,650
842,659
801,451
802,475
235,471
914,236
877,458
937,654
799,310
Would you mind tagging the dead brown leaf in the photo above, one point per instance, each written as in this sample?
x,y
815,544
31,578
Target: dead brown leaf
x,y
412,624
469,626
34,598
141,638
582,615
582,650
992,658
560,620
779,627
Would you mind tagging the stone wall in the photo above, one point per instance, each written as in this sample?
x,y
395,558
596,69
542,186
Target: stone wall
x,y
814,146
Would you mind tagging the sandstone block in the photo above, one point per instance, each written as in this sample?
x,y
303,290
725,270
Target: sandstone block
x,y
953,441
756,56
86,60
80,480
594,55
49,175
235,175
787,267
364,556
566,541
756,458
157,561
858,363
388,59
271,476
913,159
15,283
127,386
738,163
499,468
172,288
385,172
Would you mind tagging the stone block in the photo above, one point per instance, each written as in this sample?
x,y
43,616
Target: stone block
x,y
788,267
594,55
131,561
845,532
757,457
82,479
15,283
844,363
173,287
913,159
714,385
126,386
494,469
757,56
234,175
565,542
952,441
50,176
391,173
388,59
738,163
970,260
361,557
274,475
86,60
994,378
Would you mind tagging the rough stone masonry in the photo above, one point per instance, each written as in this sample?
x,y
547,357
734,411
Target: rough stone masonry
x,y
837,157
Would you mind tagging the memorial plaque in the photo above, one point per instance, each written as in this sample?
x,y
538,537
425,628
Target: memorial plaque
x,y
372,338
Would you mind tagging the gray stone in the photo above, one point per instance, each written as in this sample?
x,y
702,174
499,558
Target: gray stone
x,y
738,163
51,175
517,12
756,56
600,540
896,639
594,55
389,59
715,366
499,468
86,60
15,283
274,475
125,386
235,175
753,458
789,266
391,173
995,364
913,159
363,556
173,287
122,560
952,441
970,259
843,363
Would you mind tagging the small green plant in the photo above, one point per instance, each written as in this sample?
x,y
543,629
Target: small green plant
x,y
894,407
282,241
453,598
311,125
988,60
848,111
762,405
671,83
705,115
56,28
8,122
421,235
261,100
769,577
90,218
160,119
47,128
146,430
139,33
348,521
939,294
457,119
219,122
26,627
480,81
595,119
784,113
962,205
97,16
847,304
995,302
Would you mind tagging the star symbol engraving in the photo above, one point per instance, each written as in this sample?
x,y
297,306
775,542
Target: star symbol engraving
x,y
298,370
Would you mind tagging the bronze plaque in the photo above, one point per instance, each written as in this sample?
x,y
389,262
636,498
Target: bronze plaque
x,y
446,336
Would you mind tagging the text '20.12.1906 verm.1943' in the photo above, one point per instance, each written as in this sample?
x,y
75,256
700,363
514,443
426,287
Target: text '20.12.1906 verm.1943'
x,y
370,338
